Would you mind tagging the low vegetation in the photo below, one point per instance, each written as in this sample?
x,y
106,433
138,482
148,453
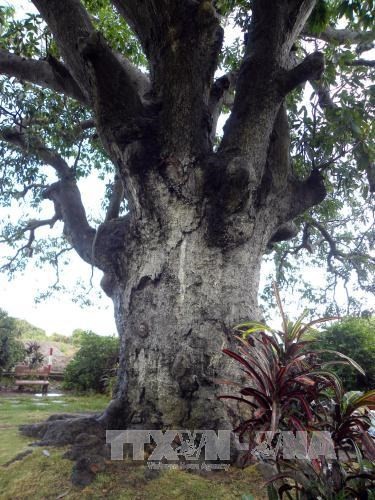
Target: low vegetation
x,y
94,365
354,337
289,387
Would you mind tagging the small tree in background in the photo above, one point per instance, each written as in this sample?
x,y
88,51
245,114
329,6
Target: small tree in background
x,y
95,359
354,337
11,349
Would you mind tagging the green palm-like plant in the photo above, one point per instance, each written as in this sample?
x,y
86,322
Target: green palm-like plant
x,y
289,388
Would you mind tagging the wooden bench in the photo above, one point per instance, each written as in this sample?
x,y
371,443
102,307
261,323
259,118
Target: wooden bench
x,y
25,371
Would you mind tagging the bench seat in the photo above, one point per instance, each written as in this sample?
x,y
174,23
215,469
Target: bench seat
x,y
40,376
32,382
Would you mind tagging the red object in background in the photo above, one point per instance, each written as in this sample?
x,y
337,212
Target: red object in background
x,y
50,359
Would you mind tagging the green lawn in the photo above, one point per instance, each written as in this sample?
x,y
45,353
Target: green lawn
x,y
44,474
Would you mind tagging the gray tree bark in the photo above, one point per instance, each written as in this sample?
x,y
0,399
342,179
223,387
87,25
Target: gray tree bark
x,y
175,313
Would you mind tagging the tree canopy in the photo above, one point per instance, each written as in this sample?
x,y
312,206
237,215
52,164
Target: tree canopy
x,y
48,126
354,337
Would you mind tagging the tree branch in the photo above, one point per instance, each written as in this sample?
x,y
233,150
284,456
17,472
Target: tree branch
x,y
117,198
342,36
311,68
43,73
66,198
361,62
302,195
167,29
354,258
273,30
64,193
34,146
31,226
98,71
221,94
21,194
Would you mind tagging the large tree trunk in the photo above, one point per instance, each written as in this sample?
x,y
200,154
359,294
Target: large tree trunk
x,y
174,314
182,267
183,280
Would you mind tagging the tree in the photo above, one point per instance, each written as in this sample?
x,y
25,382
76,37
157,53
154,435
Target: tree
x,y
354,337
11,349
93,363
182,263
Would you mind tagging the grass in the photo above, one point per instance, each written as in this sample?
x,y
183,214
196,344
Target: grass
x,y
44,474
27,408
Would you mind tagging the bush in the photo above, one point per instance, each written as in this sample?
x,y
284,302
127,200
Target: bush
x,y
58,337
34,357
354,337
95,359
77,335
11,349
288,387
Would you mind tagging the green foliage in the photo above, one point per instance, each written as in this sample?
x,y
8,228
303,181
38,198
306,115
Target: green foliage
x,y
354,337
320,17
11,349
27,331
337,141
58,337
288,387
95,359
78,335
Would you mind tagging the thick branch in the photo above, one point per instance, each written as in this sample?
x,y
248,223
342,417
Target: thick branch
x,y
221,94
303,195
139,79
64,193
34,146
182,41
68,205
343,36
311,68
273,30
117,198
43,73
95,67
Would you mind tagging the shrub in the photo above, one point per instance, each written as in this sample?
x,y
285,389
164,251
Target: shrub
x,y
95,359
289,388
354,337
58,337
34,358
11,349
77,335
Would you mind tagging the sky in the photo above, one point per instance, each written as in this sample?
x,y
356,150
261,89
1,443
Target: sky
x,y
60,314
